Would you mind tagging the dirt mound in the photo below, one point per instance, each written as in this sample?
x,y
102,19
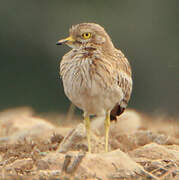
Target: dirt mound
x,y
140,148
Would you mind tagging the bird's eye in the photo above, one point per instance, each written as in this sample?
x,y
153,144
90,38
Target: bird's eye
x,y
86,35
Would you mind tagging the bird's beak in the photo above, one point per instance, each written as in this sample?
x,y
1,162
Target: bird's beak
x,y
66,40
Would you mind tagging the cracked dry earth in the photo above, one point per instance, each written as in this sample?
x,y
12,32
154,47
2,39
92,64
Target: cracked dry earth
x,y
141,147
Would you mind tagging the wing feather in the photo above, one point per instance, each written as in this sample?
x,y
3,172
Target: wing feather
x,y
124,81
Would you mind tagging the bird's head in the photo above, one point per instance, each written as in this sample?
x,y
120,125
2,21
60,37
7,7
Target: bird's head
x,y
86,34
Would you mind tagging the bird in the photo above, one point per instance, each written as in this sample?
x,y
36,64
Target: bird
x,y
97,77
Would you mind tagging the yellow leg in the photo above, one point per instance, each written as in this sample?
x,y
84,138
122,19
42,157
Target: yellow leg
x,y
87,125
107,125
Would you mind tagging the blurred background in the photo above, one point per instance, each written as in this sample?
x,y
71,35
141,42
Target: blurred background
x,y
146,31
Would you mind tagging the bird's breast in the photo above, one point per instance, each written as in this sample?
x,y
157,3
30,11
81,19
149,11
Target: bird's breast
x,y
87,82
74,71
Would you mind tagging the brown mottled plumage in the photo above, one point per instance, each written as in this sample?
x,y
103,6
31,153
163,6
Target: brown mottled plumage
x,y
96,76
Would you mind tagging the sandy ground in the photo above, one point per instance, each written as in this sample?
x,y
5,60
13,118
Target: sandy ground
x,y
141,147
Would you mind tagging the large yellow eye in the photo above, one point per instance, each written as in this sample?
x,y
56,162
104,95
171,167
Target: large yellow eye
x,y
86,35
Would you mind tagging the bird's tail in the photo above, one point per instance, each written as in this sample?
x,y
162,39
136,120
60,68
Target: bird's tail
x,y
116,111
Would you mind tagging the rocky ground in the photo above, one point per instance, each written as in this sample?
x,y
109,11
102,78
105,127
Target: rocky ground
x,y
141,147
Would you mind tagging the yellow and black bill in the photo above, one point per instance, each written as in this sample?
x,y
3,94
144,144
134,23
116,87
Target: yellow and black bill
x,y
66,40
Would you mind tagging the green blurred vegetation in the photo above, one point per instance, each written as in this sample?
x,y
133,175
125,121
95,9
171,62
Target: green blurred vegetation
x,y
146,31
